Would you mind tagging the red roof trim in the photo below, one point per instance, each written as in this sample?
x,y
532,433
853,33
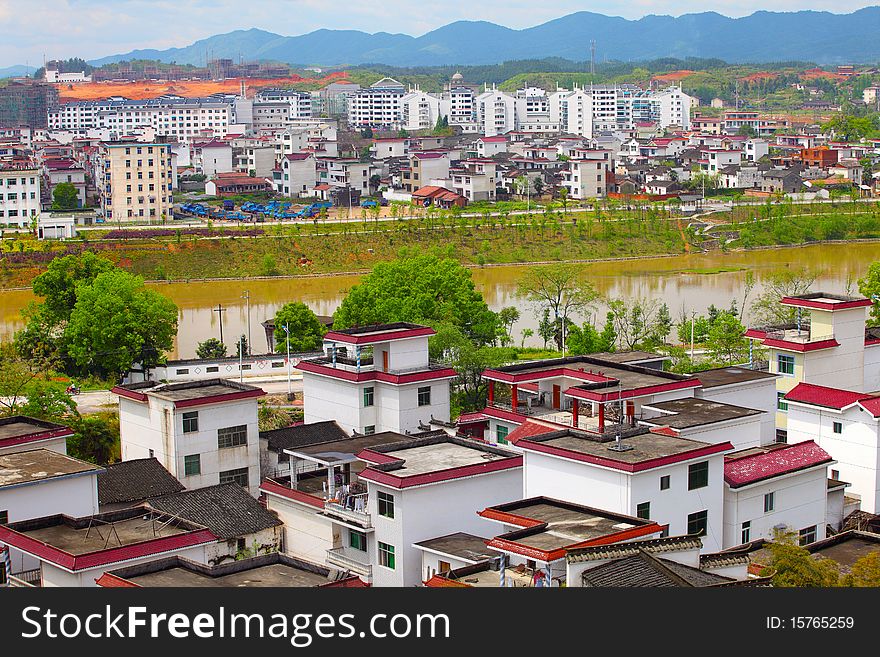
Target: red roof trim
x,y
59,557
592,395
36,437
581,375
291,494
822,305
394,334
389,479
109,581
508,518
748,470
609,462
129,394
373,375
216,399
801,347
440,582
559,553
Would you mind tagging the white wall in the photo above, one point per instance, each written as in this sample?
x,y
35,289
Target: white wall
x,y
429,511
306,534
760,395
54,444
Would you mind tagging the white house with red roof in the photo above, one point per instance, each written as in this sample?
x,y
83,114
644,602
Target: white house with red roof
x,y
19,433
651,474
376,378
487,146
203,432
776,487
827,344
76,551
846,424
212,157
426,488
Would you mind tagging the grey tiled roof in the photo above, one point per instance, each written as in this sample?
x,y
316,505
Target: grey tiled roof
x,y
135,481
303,435
226,509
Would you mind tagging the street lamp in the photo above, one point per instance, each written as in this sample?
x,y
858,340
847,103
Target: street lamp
x,y
247,297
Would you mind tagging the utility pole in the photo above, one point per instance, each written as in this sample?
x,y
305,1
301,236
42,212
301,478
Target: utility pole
x,y
287,331
220,310
240,359
693,316
247,297
592,56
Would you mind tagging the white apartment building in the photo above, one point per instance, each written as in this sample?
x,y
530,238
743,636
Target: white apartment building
x,y
135,180
300,102
776,487
419,110
172,116
587,176
653,475
376,378
846,424
298,174
212,157
203,432
378,106
19,193
496,112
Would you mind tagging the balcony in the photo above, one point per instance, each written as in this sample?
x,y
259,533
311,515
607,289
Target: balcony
x,y
351,559
26,579
349,506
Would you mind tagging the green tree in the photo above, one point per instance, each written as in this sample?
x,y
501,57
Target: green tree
x,y
560,289
117,321
65,197
210,349
766,309
242,348
95,439
422,289
869,286
637,321
865,571
792,566
306,332
507,317
526,333
47,402
725,341
16,375
57,285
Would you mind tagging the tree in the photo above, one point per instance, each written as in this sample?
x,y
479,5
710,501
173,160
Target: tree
x,y
560,289
869,286
636,321
792,566
746,130
546,327
526,334
65,197
865,571
422,289
47,402
95,439
16,375
585,340
57,285
563,196
766,309
507,317
117,321
306,332
211,349
725,341
242,348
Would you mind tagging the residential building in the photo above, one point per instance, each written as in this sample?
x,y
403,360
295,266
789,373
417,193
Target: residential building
x,y
746,387
457,550
776,488
299,174
131,483
19,433
231,184
587,177
377,106
423,168
203,432
135,181
57,171
20,193
376,378
25,102
212,157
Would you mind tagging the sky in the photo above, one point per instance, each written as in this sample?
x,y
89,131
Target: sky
x,y
58,29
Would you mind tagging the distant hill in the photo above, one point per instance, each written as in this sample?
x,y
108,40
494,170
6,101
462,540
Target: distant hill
x,y
764,36
16,71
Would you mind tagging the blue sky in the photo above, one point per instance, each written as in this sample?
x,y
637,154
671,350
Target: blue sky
x,y
95,28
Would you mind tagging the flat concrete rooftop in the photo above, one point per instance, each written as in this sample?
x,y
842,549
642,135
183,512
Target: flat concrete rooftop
x,y
464,546
645,447
724,376
38,465
17,427
338,450
277,574
847,552
184,392
694,412
440,456
567,525
101,536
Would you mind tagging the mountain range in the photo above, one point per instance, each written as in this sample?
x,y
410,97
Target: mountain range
x,y
812,36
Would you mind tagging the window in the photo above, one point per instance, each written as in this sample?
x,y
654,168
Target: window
x,y
838,427
190,421
643,511
781,404
425,396
4,517
213,368
501,434
698,523
835,474
369,396
370,429
769,502
357,540
386,555
192,464
386,504
664,482
246,367
746,532
785,364
698,475
807,535
278,363
238,476
181,371
232,436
